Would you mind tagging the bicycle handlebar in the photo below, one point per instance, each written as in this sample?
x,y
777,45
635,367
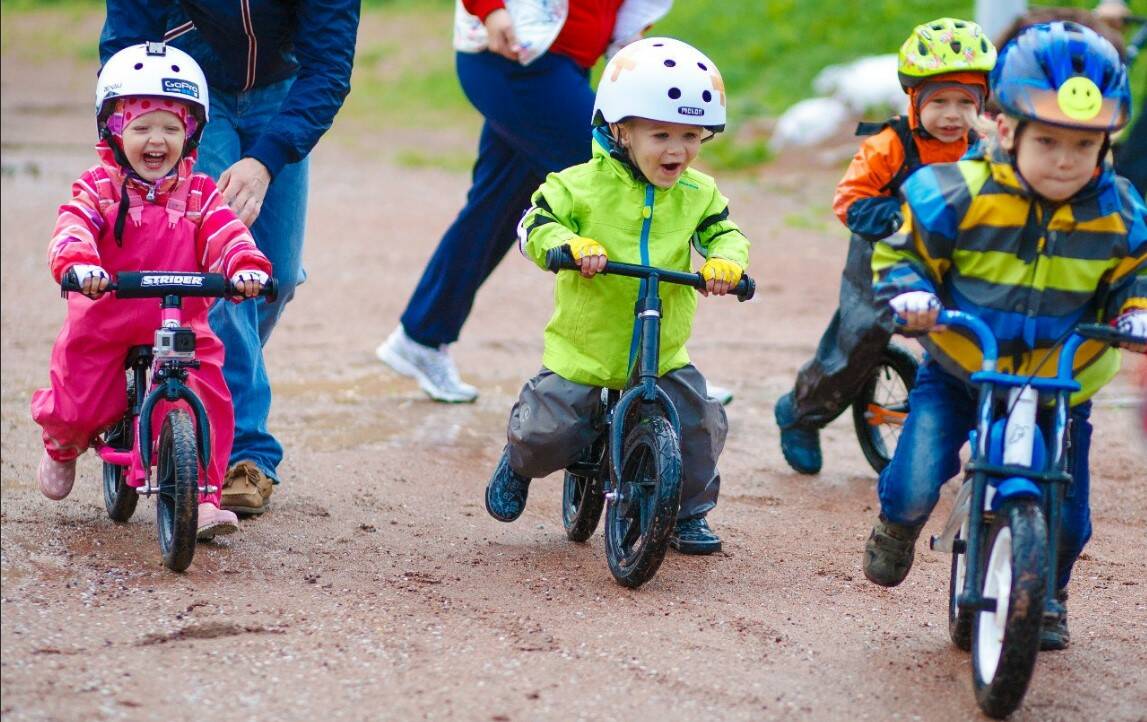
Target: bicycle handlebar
x,y
560,258
157,284
1082,332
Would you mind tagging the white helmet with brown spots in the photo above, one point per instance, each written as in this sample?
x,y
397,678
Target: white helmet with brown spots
x,y
661,79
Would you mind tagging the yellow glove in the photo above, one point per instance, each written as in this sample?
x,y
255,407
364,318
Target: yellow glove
x,y
582,247
721,270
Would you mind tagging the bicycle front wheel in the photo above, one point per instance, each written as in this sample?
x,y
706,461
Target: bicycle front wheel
x,y
1005,641
879,411
639,520
177,506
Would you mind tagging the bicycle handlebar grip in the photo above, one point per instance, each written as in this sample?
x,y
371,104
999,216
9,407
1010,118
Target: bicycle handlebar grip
x,y
745,289
1106,334
560,258
70,282
156,284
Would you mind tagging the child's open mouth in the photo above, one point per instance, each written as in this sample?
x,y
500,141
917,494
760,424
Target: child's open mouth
x,y
154,161
670,167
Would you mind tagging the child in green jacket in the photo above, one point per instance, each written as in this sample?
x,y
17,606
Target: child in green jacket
x,y
635,201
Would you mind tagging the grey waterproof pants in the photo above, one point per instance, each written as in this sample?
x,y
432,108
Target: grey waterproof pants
x,y
851,347
553,420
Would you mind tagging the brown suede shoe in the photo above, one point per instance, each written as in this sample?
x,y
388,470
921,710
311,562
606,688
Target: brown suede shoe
x,y
246,489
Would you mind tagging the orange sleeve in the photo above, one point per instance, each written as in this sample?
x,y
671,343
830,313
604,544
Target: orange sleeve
x,y
873,166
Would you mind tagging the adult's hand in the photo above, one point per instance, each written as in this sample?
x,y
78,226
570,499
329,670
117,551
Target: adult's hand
x,y
243,186
500,34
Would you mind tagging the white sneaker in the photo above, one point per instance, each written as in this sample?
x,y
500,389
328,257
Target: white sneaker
x,y
720,394
432,367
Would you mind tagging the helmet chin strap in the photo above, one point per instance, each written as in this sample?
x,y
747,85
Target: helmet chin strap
x,y
129,174
619,152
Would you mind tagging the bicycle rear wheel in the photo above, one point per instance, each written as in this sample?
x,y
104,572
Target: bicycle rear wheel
x,y
639,521
1005,641
177,504
879,411
959,620
120,499
582,502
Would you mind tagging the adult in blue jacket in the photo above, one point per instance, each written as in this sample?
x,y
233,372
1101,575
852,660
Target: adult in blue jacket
x,y
278,72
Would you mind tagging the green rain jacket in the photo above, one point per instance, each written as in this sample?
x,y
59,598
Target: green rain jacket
x,y
589,337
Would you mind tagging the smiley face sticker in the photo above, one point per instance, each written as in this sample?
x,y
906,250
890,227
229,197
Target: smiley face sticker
x,y
1079,98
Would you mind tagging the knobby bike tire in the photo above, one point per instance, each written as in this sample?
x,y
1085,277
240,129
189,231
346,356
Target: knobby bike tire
x,y
959,620
120,499
582,503
177,504
1018,544
897,361
638,525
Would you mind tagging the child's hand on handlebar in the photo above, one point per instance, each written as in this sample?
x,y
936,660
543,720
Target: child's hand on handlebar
x,y
589,255
249,283
1133,323
93,279
919,309
720,275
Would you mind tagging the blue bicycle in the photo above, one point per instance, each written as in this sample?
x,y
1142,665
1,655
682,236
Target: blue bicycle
x,y
1003,532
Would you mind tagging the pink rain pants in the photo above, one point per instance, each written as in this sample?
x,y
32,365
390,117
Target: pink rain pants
x,y
88,390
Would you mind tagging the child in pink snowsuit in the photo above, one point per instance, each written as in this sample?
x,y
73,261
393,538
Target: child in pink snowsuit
x,y
141,208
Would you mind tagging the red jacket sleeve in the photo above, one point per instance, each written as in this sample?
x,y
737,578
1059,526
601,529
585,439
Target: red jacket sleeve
x,y
78,226
482,8
873,166
226,245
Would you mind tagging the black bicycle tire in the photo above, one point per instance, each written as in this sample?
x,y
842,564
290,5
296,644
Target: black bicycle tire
x,y
177,504
582,504
999,696
901,362
656,441
120,500
960,621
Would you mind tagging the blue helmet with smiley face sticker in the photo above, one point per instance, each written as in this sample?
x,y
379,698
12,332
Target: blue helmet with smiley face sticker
x,y
1064,74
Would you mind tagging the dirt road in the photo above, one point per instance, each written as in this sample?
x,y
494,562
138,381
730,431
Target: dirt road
x,y
377,587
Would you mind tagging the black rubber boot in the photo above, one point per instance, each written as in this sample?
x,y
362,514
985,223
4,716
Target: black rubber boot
x,y
800,443
506,493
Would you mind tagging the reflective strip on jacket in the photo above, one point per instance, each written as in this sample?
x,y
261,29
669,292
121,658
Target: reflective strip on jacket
x,y
588,337
980,239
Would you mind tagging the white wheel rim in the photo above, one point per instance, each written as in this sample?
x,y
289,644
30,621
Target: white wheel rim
x,y
998,586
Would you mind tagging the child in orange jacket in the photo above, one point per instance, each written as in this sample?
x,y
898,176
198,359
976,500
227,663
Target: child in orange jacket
x,y
944,68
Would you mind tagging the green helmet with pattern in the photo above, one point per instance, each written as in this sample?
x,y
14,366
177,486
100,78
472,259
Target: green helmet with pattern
x,y
943,46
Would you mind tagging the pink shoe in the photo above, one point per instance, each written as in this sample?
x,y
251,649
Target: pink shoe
x,y
56,477
214,521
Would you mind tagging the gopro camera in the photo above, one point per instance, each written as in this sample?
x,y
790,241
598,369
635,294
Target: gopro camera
x,y
174,343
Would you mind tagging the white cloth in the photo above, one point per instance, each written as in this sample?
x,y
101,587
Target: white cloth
x,y
83,272
252,275
538,22
914,302
1133,323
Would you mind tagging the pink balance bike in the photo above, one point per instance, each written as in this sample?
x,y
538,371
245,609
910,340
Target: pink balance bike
x,y
182,450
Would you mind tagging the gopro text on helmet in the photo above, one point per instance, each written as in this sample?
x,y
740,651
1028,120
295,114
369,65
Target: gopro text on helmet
x,y
182,87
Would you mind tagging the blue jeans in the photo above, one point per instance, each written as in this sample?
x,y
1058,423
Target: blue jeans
x,y
928,454
537,122
237,119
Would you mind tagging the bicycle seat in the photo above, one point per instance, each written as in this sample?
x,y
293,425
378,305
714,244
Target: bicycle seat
x,y
138,355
